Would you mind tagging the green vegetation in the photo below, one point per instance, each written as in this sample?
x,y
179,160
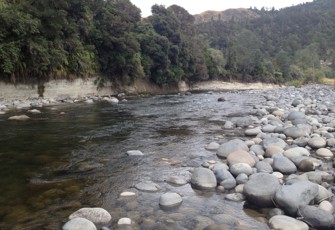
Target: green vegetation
x,y
48,39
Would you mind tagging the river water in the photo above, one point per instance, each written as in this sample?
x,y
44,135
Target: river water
x,y
59,162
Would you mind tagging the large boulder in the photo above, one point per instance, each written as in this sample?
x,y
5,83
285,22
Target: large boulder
x,y
317,217
281,222
260,189
231,146
98,216
203,179
290,197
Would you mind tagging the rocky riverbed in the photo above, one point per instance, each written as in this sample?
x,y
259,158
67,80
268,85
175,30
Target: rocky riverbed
x,y
277,165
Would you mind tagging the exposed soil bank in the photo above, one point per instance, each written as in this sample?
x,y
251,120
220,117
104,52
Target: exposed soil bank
x,y
82,88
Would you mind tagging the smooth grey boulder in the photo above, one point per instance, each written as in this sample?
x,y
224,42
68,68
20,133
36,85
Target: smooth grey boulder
x,y
231,146
316,217
147,186
264,167
295,115
281,222
169,200
225,178
241,156
283,164
295,132
253,131
301,141
98,216
273,141
239,168
79,223
203,179
296,152
323,194
317,142
260,189
242,178
290,197
257,149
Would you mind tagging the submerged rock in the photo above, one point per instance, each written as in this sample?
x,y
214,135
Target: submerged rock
x,y
169,200
317,217
79,224
148,186
98,216
281,222
19,118
203,179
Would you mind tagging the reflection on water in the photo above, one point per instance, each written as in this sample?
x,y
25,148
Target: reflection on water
x,y
55,164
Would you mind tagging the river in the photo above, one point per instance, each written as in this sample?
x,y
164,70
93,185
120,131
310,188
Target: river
x,y
72,156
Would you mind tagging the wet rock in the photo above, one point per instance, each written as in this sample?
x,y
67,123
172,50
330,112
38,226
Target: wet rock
x,y
34,111
127,194
290,197
147,186
239,168
241,156
169,200
19,118
260,189
124,221
306,165
237,197
203,179
244,122
323,152
79,224
98,216
317,217
231,146
281,222
283,164
222,99
264,167
213,146
317,142
296,152
177,180
228,125
134,153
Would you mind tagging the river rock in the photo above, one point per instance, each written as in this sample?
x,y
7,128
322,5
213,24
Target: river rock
x,y
34,111
290,197
264,167
98,216
317,142
301,141
275,212
258,150
281,222
79,224
253,131
240,168
19,118
323,152
127,194
148,186
177,180
296,152
323,194
237,197
225,178
124,221
295,115
231,146
242,178
169,200
283,164
327,206
241,156
268,128
295,132
274,141
306,165
260,189
203,179
317,217
213,146
134,153
272,150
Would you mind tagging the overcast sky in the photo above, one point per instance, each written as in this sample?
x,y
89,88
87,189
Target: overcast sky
x,y
198,6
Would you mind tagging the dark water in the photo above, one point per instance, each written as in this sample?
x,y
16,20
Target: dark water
x,y
55,164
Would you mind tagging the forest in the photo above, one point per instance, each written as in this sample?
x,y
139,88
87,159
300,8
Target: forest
x,y
108,39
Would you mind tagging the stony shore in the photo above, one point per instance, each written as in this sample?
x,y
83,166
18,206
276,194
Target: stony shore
x,y
283,164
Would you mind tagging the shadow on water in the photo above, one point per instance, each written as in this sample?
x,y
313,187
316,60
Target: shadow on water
x,y
57,163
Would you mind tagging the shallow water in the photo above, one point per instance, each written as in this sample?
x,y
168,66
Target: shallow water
x,y
55,164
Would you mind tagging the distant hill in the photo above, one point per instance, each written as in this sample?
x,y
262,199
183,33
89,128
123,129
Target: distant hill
x,y
226,15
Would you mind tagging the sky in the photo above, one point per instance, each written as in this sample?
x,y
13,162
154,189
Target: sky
x,y
199,6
